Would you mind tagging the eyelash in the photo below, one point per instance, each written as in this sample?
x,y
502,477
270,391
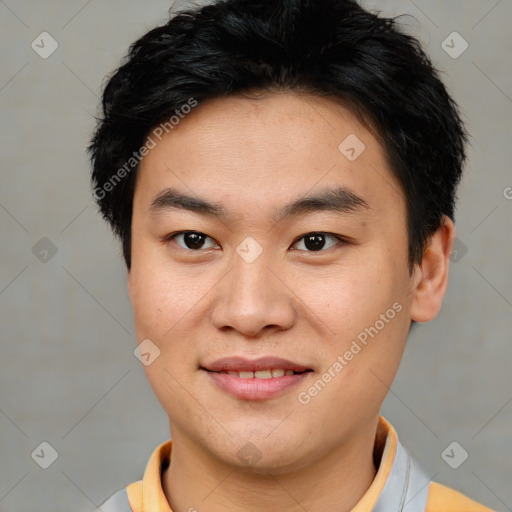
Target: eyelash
x,y
341,241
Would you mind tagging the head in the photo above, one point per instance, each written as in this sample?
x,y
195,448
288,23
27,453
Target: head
x,y
282,178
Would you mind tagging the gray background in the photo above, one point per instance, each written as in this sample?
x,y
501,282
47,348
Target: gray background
x,y
68,375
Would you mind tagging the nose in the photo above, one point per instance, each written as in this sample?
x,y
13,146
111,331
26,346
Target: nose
x,y
254,298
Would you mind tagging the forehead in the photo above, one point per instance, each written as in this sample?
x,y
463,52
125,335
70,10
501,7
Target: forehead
x,y
269,147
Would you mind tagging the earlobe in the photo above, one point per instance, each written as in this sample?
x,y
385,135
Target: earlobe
x,y
431,275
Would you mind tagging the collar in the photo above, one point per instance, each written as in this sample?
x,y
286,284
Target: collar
x,y
394,483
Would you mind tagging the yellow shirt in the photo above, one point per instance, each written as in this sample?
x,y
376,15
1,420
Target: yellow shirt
x,y
147,495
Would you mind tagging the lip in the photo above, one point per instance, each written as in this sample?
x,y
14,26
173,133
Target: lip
x,y
241,364
254,389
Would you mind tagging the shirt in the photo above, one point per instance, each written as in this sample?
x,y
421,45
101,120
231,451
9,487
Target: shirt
x,y
386,492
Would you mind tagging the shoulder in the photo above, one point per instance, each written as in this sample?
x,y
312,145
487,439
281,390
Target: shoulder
x,y
445,499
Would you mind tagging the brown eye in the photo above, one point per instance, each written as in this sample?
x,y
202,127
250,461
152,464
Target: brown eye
x,y
193,240
316,242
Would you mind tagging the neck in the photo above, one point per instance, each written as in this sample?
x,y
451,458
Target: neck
x,y
197,481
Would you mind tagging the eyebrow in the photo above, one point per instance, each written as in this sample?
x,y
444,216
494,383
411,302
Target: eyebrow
x,y
340,199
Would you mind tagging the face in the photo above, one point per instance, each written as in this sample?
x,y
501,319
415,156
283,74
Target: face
x,y
248,283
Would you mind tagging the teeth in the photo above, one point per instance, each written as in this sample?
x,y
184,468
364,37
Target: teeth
x,y
260,374
263,374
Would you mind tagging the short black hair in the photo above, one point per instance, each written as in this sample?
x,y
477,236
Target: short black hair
x,y
328,48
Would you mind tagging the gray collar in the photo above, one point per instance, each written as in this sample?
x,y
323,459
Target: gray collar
x,y
406,488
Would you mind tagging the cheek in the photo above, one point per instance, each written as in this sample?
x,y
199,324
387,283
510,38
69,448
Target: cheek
x,y
162,303
363,310
169,309
150,302
347,296
160,294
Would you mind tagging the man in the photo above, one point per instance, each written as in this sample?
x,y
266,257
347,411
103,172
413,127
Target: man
x,y
282,177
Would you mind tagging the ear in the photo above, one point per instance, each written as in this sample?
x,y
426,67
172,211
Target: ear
x,y
431,275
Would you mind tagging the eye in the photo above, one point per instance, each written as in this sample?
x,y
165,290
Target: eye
x,y
315,242
192,240
195,241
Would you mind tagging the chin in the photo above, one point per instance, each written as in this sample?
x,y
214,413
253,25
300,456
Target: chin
x,y
258,454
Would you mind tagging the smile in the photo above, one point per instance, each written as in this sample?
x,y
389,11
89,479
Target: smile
x,y
261,374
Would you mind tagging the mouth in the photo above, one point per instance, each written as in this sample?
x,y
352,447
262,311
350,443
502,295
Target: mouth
x,y
262,368
272,373
257,379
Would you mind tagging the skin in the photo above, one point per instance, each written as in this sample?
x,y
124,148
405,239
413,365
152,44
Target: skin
x,y
252,155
